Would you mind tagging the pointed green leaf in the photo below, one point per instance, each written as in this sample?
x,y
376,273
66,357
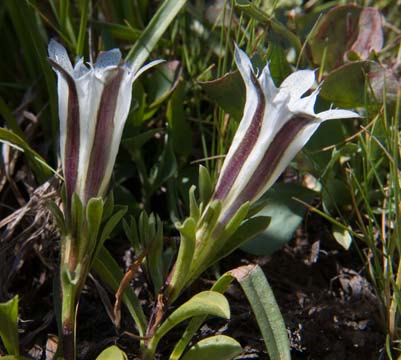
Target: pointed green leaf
x,y
219,347
94,215
245,232
203,303
205,185
184,258
179,125
264,306
193,205
9,325
111,223
39,166
228,92
221,285
112,353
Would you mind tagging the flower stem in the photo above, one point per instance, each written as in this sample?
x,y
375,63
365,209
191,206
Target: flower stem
x,y
68,317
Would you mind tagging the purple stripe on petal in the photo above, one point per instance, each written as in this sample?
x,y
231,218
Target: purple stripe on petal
x,y
268,164
99,157
245,147
71,150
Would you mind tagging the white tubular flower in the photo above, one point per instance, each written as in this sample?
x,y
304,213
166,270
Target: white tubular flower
x,y
276,124
93,105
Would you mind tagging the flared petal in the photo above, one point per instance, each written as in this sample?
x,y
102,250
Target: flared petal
x,y
276,124
337,114
298,83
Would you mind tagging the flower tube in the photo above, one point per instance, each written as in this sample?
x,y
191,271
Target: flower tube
x,y
94,103
276,124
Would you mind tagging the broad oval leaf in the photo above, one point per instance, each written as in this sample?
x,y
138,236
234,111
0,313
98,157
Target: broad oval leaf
x,y
349,85
203,303
286,216
343,33
219,347
112,353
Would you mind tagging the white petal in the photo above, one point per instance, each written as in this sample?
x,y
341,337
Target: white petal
x,y
108,58
89,89
58,53
305,105
62,90
298,83
120,117
293,149
268,85
80,69
246,70
337,114
244,65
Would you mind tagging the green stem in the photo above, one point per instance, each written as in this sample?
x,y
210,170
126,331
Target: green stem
x,y
69,303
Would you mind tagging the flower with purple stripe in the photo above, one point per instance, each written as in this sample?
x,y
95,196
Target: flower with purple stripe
x,y
276,124
94,102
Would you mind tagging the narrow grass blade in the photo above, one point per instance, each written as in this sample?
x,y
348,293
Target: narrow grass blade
x,y
154,31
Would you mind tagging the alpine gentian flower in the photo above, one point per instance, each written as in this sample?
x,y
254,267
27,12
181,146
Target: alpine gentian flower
x,y
276,124
94,103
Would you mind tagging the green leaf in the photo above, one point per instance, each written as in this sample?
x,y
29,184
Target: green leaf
x,y
42,170
193,205
154,31
203,303
112,353
165,168
9,325
76,215
94,215
136,142
162,82
264,306
205,185
111,223
348,86
245,232
342,34
110,272
342,236
219,347
286,216
221,285
108,206
178,122
228,92
184,258
278,64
